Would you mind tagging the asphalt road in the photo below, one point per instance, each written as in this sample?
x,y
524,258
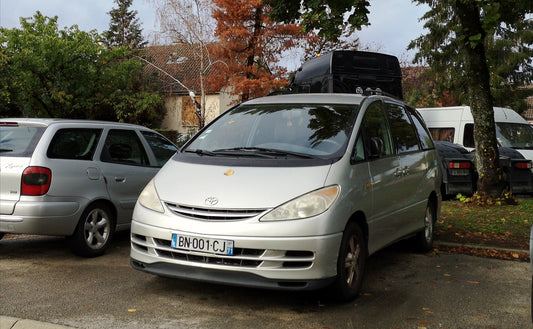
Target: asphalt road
x,y
41,280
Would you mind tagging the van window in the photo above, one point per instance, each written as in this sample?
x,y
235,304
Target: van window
x,y
468,135
515,135
375,128
124,147
442,134
403,132
74,144
425,138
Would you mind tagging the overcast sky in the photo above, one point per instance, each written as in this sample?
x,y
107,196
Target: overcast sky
x,y
394,23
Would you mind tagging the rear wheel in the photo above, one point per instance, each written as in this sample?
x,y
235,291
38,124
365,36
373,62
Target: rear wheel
x,y
350,264
94,231
2,235
424,238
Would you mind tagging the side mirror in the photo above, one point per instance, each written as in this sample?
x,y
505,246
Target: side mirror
x,y
376,147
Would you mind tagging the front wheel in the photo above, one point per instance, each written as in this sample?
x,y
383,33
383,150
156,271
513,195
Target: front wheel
x,y
93,232
424,238
350,264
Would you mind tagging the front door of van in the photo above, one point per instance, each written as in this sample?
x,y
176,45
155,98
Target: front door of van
x,y
383,163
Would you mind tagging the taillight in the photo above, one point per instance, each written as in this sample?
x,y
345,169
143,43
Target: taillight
x,y
36,181
459,165
523,165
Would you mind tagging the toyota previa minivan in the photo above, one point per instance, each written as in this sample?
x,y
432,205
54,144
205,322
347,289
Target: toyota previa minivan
x,y
291,192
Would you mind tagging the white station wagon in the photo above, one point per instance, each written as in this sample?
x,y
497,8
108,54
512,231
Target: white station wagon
x,y
75,178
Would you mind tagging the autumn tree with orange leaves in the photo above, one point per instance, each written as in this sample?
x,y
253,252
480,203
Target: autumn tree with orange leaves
x,y
251,45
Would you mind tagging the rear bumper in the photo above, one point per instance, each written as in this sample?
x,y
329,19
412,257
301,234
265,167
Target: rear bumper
x,y
42,217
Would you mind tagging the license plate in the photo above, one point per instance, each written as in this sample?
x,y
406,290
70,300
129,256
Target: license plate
x,y
212,246
459,172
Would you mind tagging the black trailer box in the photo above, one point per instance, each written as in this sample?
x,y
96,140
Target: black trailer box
x,y
346,71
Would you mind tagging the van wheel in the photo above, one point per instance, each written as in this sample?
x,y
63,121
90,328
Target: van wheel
x,y
424,238
350,264
93,232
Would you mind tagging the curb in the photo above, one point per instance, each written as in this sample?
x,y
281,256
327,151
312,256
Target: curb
x,y
477,246
7,322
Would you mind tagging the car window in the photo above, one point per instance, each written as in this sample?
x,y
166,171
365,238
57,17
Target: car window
x,y
162,148
468,135
403,132
423,134
74,144
376,130
19,141
124,147
359,150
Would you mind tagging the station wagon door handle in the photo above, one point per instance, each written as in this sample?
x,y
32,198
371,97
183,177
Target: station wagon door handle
x,y
120,179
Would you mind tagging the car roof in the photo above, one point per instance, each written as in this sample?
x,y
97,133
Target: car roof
x,y
46,122
307,98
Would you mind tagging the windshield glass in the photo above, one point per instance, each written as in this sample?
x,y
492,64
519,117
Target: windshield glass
x,y
19,141
515,135
279,130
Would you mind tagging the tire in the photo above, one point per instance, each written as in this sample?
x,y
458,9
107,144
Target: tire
x,y
94,231
424,238
2,235
350,264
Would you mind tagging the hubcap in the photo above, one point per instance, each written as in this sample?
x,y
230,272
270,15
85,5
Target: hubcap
x,y
96,229
351,260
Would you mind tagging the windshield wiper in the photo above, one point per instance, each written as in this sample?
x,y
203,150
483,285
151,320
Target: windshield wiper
x,y
5,150
201,152
261,151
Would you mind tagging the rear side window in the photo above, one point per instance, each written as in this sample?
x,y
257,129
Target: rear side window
x,y
161,147
124,147
19,141
74,144
403,132
468,136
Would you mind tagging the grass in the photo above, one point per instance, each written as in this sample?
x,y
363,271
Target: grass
x,y
506,226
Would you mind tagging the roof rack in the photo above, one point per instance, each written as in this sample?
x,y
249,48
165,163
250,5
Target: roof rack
x,y
359,72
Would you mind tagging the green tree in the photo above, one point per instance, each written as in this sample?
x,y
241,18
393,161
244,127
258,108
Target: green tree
x,y
329,18
48,72
458,32
124,29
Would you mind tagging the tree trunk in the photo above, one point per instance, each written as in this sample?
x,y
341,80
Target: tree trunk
x,y
490,182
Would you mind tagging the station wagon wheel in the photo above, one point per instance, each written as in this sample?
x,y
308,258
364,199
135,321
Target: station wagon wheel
x,y
350,264
424,238
93,232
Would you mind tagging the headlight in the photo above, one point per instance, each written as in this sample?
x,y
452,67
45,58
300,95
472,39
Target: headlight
x,y
308,205
150,199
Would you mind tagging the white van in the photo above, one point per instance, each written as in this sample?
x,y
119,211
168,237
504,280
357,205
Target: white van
x,y
455,124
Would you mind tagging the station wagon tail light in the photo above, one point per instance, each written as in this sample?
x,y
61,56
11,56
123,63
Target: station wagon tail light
x,y
523,165
459,165
307,205
150,199
36,181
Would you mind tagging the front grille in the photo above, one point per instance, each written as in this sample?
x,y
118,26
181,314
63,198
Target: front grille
x,y
242,257
213,214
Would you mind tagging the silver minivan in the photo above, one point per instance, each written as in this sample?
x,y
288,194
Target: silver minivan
x,y
75,178
291,192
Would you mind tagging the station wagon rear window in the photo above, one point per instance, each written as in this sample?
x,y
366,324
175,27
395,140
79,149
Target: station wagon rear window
x,y
74,144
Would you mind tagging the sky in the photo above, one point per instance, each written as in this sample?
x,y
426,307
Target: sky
x,y
394,23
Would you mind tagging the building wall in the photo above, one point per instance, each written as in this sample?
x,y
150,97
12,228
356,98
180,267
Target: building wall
x,y
177,105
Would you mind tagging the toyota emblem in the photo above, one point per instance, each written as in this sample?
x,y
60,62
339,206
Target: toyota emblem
x,y
211,201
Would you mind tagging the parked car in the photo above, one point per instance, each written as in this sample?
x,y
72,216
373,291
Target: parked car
x,y
291,192
75,178
458,170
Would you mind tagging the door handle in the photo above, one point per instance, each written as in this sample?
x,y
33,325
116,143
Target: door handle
x,y
120,179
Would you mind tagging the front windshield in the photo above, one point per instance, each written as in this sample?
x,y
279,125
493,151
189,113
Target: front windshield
x,y
515,135
310,130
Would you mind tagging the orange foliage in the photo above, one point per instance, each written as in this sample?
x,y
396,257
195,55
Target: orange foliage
x,y
251,45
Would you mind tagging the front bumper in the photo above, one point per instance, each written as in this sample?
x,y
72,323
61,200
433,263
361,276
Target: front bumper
x,y
293,263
